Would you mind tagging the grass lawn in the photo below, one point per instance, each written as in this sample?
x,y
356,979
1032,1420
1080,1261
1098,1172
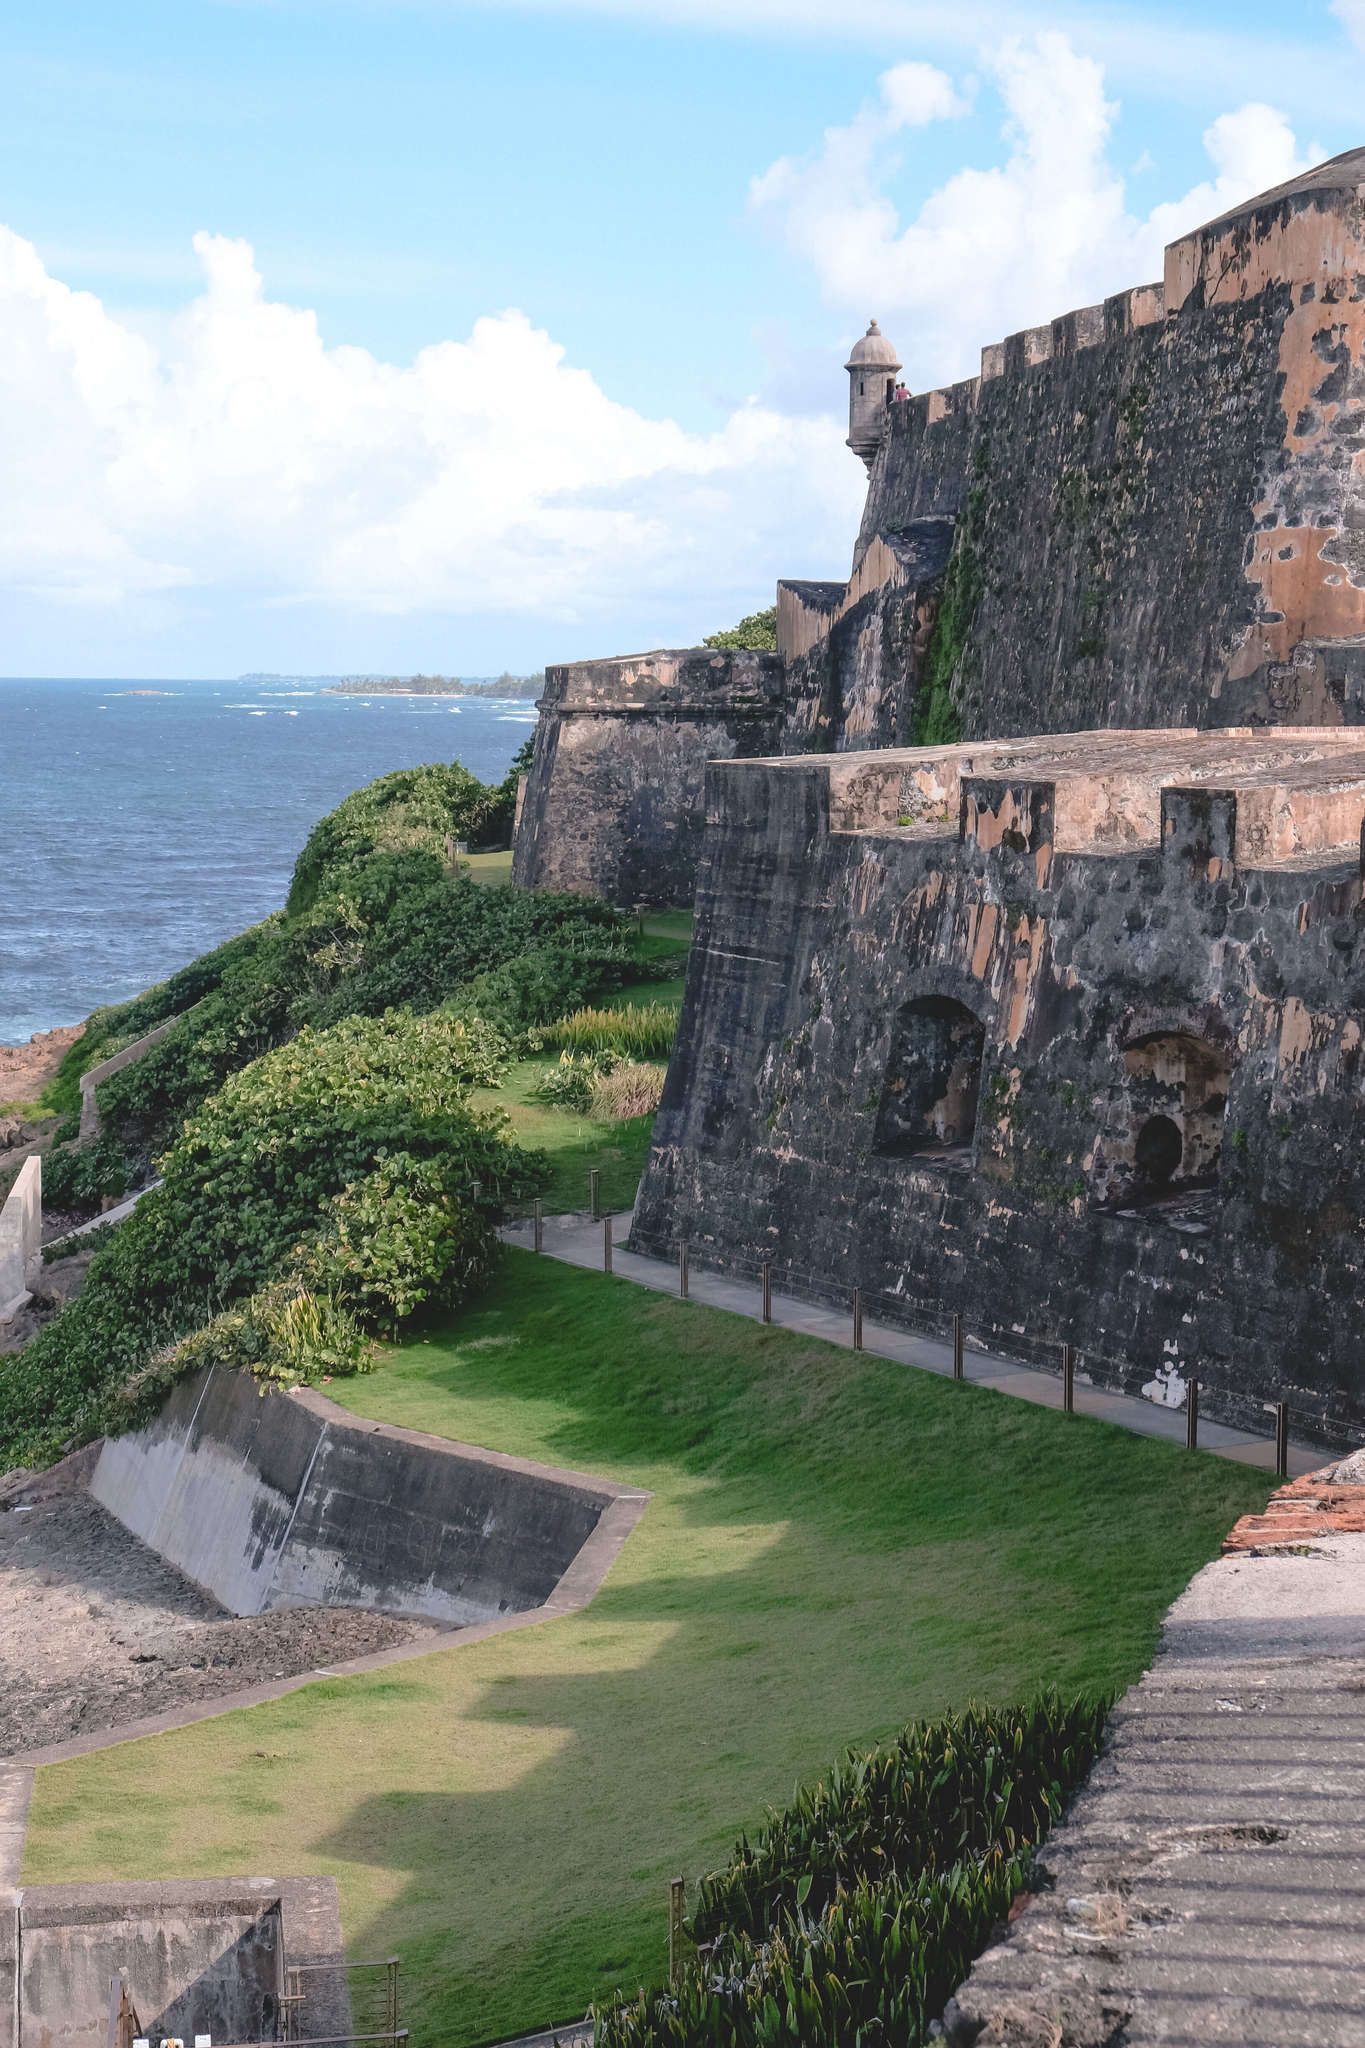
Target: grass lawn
x,y
487,867
574,1143
835,1544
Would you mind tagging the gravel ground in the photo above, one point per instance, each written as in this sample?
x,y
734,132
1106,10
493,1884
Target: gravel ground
x,y
96,1629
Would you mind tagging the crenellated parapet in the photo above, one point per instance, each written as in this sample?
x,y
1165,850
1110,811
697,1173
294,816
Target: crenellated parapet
x,y
1148,512
1158,497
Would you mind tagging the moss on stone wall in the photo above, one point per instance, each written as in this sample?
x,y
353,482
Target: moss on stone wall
x,y
936,720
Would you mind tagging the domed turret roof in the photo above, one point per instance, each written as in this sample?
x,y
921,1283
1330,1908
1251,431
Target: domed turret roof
x,y
875,349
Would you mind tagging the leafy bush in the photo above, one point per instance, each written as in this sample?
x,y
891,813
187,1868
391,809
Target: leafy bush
x,y
570,1084
397,1240
984,1779
877,1966
78,1180
630,1089
758,632
514,955
643,1033
861,1907
282,1154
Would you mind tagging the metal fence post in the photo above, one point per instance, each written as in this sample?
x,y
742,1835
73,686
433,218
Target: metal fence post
x,y
682,1270
540,1225
767,1291
595,1192
1068,1379
857,1319
606,1244
675,1931
1192,1416
959,1363
1281,1439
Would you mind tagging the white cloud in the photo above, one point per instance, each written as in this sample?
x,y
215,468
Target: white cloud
x,y
994,250
1351,14
246,455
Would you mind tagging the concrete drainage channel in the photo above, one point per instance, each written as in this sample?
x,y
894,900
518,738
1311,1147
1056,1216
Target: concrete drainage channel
x,y
276,1505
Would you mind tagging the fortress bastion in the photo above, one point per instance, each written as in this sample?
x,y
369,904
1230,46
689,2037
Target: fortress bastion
x,y
1063,1035
1149,512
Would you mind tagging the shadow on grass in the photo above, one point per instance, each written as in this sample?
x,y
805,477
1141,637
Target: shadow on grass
x,y
836,1544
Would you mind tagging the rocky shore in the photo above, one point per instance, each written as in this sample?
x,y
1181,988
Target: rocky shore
x,y
25,1070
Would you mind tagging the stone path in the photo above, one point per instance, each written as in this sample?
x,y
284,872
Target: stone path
x,y
1209,1884
578,1241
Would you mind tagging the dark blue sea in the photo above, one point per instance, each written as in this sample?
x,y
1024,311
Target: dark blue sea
x,y
137,831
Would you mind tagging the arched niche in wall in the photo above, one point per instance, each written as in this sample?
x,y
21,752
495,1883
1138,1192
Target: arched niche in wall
x,y
933,1081
1167,1138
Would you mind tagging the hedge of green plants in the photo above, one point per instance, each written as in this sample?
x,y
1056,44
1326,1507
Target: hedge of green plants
x,y
861,1907
377,919
345,1166
324,1179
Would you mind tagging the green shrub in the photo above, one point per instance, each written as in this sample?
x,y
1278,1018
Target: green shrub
x,y
515,955
861,1907
401,1239
876,1967
634,1033
80,1179
758,632
570,1084
284,1336
281,1154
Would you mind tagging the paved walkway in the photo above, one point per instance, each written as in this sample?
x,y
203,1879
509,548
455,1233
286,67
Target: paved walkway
x,y
578,1241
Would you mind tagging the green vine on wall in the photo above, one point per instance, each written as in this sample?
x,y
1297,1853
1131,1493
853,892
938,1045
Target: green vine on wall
x,y
936,720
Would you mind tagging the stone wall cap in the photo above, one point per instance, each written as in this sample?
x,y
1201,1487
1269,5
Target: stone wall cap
x,y
1341,173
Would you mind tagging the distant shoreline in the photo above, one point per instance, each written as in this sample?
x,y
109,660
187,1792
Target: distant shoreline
x,y
454,696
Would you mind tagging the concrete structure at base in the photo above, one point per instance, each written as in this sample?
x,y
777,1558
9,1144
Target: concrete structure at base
x,y
207,1957
284,1500
21,1230
1149,512
1063,1034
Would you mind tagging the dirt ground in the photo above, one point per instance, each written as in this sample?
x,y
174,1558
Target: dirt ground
x,y
96,1629
25,1070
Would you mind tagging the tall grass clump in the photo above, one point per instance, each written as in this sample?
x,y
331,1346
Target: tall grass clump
x,y
635,1031
632,1088
859,1909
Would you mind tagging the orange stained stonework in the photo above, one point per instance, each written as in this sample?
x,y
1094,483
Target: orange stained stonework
x,y
1316,246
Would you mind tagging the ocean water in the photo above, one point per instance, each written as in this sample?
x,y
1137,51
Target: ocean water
x,y
137,831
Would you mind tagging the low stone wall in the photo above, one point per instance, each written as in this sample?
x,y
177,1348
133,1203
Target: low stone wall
x,y
21,1229
285,1500
198,1958
90,1115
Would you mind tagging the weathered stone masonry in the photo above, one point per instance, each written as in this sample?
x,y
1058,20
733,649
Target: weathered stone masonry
x,y
1146,512
613,804
1063,1034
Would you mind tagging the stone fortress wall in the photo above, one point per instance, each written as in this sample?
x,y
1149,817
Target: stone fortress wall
x,y
613,804
1147,512
1063,1035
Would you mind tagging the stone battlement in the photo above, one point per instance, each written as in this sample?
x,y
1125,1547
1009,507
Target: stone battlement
x,y
1062,1034
1293,795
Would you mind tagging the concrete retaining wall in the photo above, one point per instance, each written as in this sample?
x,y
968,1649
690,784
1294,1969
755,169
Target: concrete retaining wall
x,y
90,1115
21,1229
206,1957
285,1500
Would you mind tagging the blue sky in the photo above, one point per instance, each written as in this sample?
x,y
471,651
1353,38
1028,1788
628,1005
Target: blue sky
x,y
693,206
